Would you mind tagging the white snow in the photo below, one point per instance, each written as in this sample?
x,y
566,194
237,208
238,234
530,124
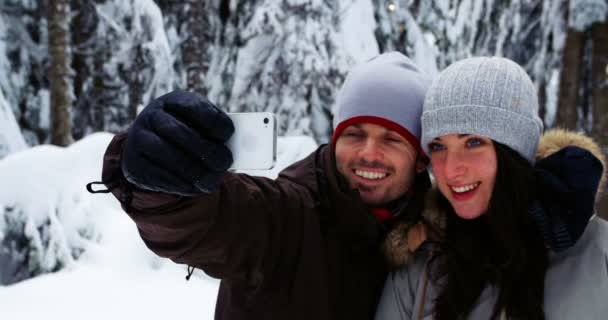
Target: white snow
x,y
148,13
146,29
584,13
357,25
290,58
425,53
116,277
552,91
5,84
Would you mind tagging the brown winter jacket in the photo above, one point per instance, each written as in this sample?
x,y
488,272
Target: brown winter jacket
x,y
297,247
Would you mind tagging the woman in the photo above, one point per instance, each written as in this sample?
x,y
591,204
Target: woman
x,y
511,236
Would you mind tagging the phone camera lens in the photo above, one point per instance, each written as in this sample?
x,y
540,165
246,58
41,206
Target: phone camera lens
x,y
266,120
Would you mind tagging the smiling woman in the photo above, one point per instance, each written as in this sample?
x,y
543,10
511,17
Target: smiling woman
x,y
508,219
465,168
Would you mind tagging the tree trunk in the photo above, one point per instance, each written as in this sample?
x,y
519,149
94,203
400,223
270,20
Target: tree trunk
x,y
98,122
82,29
194,46
599,36
570,78
59,75
542,100
136,81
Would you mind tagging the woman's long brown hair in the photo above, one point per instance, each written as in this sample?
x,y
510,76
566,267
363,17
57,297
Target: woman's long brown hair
x,y
502,248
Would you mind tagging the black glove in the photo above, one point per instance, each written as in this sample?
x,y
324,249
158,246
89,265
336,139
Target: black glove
x,y
567,183
177,145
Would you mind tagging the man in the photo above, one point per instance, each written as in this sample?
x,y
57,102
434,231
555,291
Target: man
x,y
303,246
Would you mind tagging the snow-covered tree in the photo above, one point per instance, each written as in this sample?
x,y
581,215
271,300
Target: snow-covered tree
x,y
283,57
11,139
130,62
23,82
441,32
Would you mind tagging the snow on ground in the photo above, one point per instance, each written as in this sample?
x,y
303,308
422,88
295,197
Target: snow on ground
x,y
116,277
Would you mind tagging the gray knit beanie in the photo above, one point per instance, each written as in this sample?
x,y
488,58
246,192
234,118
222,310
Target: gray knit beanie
x,y
387,90
491,97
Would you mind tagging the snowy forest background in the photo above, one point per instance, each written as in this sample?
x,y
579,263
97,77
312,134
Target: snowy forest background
x,y
71,68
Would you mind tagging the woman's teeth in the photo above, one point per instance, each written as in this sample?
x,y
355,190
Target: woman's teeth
x,y
465,188
370,175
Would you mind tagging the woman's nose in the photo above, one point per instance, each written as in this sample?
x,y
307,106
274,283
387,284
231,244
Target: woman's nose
x,y
455,165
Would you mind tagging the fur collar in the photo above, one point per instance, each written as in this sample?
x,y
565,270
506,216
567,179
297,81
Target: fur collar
x,y
404,238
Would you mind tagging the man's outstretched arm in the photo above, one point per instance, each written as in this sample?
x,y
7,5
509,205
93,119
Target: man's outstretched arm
x,y
233,226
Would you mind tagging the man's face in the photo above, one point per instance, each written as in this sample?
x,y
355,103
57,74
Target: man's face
x,y
378,162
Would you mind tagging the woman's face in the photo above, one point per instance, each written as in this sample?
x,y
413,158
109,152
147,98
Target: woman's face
x,y
464,166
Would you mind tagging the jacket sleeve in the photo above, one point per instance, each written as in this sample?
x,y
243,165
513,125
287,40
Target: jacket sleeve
x,y
568,181
246,231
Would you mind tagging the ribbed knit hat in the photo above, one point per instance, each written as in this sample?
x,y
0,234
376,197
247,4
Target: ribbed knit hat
x,y
387,90
491,97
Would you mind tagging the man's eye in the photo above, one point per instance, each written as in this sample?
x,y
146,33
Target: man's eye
x,y
434,147
352,134
393,139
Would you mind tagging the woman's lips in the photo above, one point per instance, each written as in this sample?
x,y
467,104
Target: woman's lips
x,y
464,192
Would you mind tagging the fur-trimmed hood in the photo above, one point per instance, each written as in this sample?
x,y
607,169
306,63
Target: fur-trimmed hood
x,y
405,238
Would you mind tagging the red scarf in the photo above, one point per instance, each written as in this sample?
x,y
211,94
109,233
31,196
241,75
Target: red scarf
x,y
382,214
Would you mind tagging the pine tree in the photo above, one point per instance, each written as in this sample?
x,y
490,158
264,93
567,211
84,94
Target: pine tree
x,y
282,57
25,84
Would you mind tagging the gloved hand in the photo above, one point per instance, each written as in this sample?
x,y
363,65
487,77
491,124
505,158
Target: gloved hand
x,y
567,183
177,145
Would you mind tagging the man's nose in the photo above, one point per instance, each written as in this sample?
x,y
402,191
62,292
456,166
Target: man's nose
x,y
371,151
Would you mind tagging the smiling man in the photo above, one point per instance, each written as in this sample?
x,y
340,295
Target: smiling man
x,y
376,161
303,246
377,131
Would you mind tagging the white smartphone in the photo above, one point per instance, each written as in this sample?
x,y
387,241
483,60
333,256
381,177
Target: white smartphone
x,y
254,142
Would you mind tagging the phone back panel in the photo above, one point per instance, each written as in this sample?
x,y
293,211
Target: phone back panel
x,y
254,142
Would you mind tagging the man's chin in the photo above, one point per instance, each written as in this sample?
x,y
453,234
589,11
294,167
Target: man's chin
x,y
375,196
374,200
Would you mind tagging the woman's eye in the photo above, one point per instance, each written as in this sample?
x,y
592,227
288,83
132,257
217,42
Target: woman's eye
x,y
474,142
434,147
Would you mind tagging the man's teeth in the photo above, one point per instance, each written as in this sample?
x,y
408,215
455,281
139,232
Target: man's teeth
x,y
465,188
370,175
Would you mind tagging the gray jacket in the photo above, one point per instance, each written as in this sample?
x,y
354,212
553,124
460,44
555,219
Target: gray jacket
x,y
576,285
